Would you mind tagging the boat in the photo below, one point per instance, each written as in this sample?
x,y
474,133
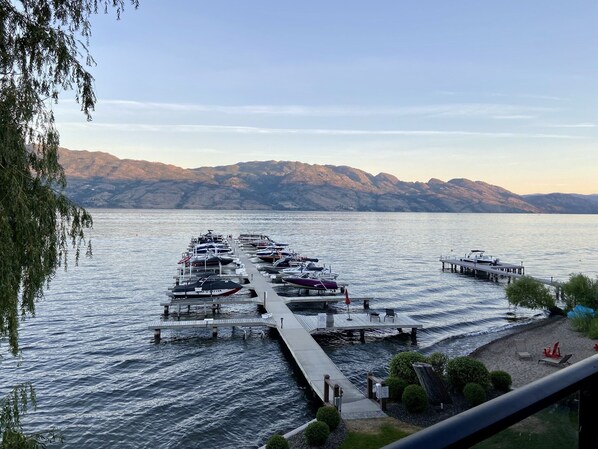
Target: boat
x,y
478,256
208,259
313,280
209,286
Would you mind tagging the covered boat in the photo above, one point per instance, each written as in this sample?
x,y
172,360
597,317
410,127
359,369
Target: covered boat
x,y
206,287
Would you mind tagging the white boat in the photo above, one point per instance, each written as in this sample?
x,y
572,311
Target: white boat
x,y
478,256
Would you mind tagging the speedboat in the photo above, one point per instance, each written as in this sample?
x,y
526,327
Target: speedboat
x,y
313,280
206,287
478,256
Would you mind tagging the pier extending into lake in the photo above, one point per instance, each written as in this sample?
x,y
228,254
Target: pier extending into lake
x,y
494,271
295,331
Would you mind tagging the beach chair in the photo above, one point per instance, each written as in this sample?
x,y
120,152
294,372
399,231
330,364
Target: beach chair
x,y
554,352
557,362
521,349
390,313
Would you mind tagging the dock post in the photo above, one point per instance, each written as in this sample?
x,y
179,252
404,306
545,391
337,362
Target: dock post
x,y
366,304
370,385
165,310
413,335
326,392
157,335
362,335
214,331
265,296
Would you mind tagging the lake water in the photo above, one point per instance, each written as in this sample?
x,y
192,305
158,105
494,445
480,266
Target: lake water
x,y
102,380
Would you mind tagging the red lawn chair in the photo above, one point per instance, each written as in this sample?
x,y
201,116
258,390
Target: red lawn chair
x,y
555,352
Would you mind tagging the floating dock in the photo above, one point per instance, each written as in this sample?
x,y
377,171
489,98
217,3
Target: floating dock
x,y
295,331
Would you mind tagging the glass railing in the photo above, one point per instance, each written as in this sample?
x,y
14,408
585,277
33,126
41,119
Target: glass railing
x,y
557,411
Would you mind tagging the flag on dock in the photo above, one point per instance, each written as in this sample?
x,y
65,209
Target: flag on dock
x,y
348,301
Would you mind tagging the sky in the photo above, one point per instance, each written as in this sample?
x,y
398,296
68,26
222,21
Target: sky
x,y
501,92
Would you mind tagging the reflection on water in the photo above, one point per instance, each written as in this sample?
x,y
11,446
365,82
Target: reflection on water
x,y
102,381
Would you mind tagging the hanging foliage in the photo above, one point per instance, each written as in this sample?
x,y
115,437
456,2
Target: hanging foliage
x,y
43,52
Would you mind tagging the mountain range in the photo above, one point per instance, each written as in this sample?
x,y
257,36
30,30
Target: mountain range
x,y
98,179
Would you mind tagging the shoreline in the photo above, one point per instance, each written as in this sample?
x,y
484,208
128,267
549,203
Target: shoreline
x,y
501,354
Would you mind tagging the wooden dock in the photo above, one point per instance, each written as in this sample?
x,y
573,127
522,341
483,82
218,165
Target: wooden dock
x,y
311,359
494,271
295,331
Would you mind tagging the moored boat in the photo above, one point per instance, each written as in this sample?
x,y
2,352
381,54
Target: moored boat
x,y
210,286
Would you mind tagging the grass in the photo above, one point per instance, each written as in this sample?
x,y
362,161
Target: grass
x,y
551,428
373,439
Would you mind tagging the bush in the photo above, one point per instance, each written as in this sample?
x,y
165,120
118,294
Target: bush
x,y
330,416
464,370
582,290
438,360
401,366
396,386
277,442
415,399
501,380
530,293
316,433
593,329
474,393
581,322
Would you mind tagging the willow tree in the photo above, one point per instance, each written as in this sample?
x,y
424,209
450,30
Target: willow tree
x,y
43,53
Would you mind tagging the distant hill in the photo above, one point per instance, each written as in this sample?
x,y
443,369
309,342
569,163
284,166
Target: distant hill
x,y
97,179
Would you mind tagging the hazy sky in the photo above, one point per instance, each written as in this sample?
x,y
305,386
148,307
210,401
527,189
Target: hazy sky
x,y
504,92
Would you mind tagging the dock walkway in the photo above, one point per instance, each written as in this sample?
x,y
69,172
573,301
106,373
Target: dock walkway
x,y
309,356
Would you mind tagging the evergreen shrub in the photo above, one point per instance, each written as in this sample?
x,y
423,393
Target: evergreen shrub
x,y
316,433
438,360
396,386
277,441
474,393
330,416
501,380
415,399
464,370
401,366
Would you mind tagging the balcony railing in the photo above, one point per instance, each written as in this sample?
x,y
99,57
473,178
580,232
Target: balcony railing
x,y
479,423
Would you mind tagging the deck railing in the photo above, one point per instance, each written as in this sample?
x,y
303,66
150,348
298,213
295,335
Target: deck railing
x,y
480,423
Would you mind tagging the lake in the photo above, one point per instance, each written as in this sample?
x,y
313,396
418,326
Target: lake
x,y
102,380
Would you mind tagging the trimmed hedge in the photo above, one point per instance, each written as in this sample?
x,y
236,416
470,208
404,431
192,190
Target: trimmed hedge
x,y
464,370
396,386
438,360
501,380
330,416
316,433
474,393
401,366
277,442
415,399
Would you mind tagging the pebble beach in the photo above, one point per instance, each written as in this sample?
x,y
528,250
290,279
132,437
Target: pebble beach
x,y
501,354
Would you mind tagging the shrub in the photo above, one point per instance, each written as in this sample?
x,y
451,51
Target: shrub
x,y
438,360
396,386
464,370
581,322
316,433
529,292
474,393
501,380
582,290
330,416
593,329
415,399
277,442
401,366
